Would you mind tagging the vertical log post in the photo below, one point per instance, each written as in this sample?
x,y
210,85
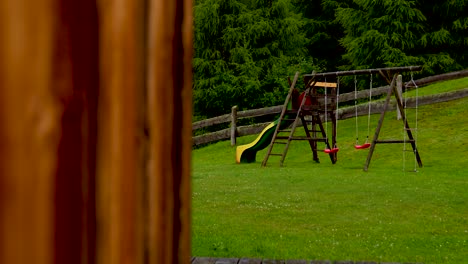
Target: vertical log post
x,y
233,125
120,171
399,89
29,131
169,66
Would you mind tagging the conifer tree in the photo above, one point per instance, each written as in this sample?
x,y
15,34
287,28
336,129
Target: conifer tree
x,y
323,30
404,32
244,50
446,35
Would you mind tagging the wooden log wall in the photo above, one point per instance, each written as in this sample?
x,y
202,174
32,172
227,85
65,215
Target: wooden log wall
x,y
95,131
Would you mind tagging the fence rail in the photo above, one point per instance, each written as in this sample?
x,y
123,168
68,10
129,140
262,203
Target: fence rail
x,y
343,113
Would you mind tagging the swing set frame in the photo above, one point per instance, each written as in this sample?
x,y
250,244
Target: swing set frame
x,y
390,76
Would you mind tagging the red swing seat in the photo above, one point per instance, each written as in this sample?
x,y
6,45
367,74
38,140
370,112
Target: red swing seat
x,y
363,146
329,151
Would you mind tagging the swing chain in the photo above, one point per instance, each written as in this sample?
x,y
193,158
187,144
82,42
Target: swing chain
x,y
369,112
355,110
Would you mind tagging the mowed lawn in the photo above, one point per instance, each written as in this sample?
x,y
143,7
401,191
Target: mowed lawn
x,y
321,211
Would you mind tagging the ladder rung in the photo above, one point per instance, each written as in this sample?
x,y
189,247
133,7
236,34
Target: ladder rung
x,y
307,138
282,137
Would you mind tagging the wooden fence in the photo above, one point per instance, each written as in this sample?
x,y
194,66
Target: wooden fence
x,y
343,113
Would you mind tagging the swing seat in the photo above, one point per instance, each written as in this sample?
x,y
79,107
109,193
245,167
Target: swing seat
x,y
330,151
363,146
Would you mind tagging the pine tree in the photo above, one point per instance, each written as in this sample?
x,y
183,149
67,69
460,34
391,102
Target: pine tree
x,y
402,32
446,37
381,33
244,50
323,30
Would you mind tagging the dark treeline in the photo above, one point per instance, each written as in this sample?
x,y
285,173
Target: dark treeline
x,y
245,49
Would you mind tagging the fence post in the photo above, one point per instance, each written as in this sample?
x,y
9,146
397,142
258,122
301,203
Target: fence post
x,y
233,125
399,91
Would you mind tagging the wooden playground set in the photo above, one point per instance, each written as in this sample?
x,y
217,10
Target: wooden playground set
x,y
317,107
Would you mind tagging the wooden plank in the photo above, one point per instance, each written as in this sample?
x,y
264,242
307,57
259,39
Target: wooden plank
x,y
211,121
29,131
272,261
250,261
204,260
240,114
260,112
325,84
251,129
227,261
212,137
296,261
169,86
438,78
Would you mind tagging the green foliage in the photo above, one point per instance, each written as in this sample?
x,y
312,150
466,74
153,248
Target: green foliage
x,y
244,52
323,30
380,33
397,33
244,49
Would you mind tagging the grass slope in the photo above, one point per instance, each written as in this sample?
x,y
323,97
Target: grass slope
x,y
306,210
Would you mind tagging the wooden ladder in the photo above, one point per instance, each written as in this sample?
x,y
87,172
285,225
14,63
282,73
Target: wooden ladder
x,y
311,134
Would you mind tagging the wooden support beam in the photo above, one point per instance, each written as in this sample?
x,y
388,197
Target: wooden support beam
x,y
379,125
169,87
389,70
393,91
233,125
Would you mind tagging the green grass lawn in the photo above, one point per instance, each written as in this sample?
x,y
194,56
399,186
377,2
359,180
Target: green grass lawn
x,y
306,210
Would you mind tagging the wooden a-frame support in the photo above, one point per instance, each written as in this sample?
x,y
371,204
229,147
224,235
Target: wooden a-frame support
x,y
389,74
299,113
392,91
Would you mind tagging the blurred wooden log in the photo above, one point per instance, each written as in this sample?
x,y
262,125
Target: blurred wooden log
x,y
29,131
120,172
170,112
